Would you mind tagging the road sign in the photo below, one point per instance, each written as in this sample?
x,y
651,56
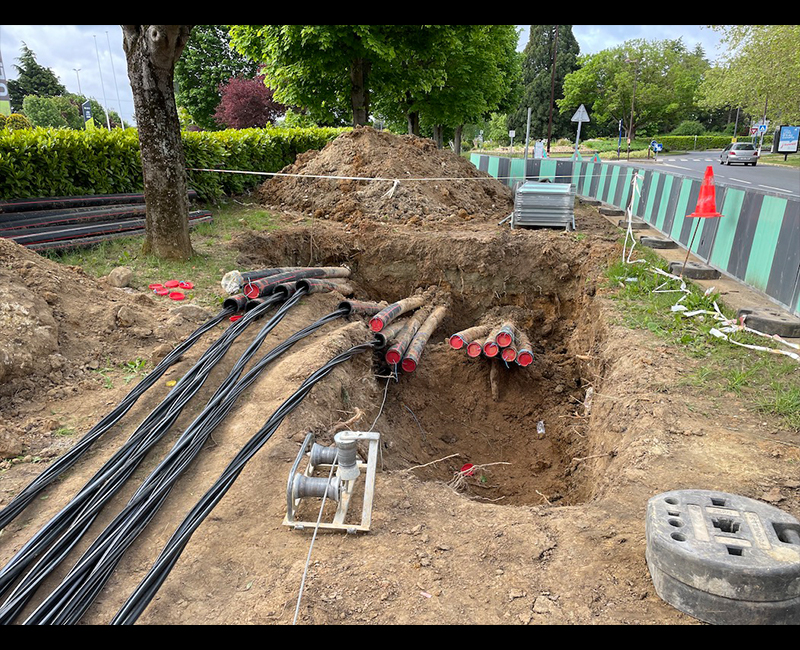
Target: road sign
x,y
581,115
762,128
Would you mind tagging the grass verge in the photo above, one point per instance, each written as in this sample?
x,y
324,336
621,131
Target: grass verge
x,y
212,258
768,383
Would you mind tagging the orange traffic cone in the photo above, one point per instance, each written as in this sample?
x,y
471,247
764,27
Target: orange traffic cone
x,y
706,207
707,201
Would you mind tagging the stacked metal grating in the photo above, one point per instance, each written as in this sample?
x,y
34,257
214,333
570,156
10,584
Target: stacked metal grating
x,y
544,204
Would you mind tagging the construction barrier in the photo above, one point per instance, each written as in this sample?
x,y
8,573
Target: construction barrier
x,y
757,240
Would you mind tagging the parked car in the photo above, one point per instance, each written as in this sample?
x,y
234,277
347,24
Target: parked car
x,y
739,152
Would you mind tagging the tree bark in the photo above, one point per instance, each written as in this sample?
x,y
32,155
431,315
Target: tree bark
x,y
438,135
413,123
457,139
151,52
359,91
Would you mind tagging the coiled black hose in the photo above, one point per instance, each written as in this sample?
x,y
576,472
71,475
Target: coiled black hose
x,y
72,521
70,600
66,461
147,589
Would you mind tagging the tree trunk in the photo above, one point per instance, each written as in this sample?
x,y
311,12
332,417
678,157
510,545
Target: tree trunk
x,y
151,52
457,139
438,135
359,91
413,123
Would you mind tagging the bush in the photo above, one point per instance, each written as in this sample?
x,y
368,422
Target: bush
x,y
17,121
689,127
44,162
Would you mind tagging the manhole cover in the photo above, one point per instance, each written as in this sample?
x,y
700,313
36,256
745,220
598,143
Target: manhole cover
x,y
724,558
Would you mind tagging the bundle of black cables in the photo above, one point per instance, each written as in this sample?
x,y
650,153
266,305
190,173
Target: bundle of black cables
x,y
21,501
70,600
64,530
147,589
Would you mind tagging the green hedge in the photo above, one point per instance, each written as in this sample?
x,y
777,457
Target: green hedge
x,y
62,162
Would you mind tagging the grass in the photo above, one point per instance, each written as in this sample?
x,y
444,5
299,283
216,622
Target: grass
x,y
768,383
205,269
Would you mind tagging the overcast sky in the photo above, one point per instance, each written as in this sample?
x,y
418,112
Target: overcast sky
x,y
92,55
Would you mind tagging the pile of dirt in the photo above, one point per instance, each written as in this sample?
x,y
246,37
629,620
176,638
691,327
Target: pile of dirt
x,y
420,183
61,330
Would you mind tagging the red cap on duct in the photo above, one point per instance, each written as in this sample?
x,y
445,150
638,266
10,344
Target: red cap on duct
x,y
490,349
525,358
466,469
176,295
456,342
162,291
392,357
186,285
503,338
508,354
474,349
376,324
408,365
171,284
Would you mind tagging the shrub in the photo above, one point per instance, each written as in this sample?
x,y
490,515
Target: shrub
x,y
41,162
689,127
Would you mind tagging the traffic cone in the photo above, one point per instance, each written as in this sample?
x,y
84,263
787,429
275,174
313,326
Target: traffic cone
x,y
707,201
706,208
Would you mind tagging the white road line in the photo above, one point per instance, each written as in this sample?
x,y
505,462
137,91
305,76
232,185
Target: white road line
x,y
776,189
740,181
678,167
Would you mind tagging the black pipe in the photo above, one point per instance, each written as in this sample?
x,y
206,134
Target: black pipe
x,y
42,203
158,573
75,517
69,601
55,469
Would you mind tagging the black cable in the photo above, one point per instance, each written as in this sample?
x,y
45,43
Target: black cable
x,y
66,461
71,522
70,600
147,589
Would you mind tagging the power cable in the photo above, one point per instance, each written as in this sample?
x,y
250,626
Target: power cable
x,y
70,600
66,461
72,521
147,589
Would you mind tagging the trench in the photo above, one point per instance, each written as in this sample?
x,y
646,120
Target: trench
x,y
521,428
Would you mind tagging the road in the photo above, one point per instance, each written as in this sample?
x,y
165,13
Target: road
x,y
782,181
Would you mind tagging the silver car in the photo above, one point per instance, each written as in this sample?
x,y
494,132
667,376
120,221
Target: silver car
x,y
739,152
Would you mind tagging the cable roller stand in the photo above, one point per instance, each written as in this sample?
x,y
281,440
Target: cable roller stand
x,y
339,488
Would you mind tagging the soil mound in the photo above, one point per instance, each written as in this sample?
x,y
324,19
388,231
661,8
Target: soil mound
x,y
418,183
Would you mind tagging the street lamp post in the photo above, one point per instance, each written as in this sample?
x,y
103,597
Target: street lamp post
x,y
77,70
633,97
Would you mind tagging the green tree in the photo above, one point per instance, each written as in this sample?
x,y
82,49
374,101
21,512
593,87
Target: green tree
x,y
207,62
332,72
545,43
33,79
483,72
649,85
760,72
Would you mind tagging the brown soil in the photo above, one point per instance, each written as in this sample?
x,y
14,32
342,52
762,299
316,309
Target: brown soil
x,y
548,530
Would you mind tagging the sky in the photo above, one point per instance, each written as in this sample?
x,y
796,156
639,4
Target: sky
x,y
90,58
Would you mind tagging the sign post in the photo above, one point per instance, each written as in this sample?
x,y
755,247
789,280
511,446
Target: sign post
x,y
580,117
5,98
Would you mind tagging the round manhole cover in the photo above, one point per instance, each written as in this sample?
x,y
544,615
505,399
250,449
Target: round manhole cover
x,y
724,558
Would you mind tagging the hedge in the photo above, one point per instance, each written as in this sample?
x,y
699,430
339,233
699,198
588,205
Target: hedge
x,y
44,162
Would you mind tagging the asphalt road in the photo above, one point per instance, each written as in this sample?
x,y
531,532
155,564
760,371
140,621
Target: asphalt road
x,y
782,181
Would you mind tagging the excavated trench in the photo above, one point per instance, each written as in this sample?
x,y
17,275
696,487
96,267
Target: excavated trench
x,y
522,428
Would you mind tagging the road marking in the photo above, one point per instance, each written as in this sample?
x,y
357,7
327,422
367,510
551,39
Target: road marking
x,y
776,189
738,180
678,167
